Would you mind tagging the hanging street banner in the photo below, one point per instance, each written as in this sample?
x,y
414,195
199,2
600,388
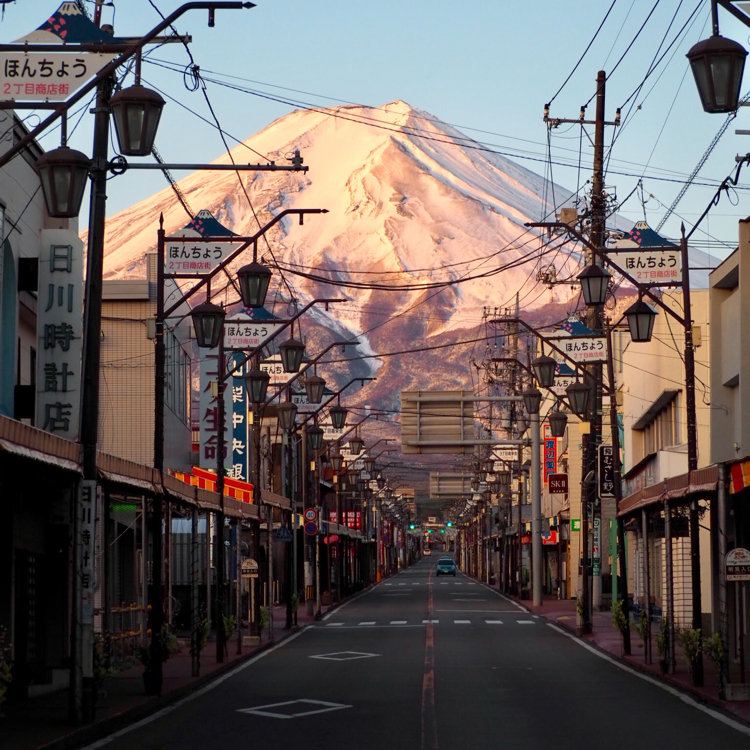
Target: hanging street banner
x,y
305,407
652,266
647,257
183,256
579,343
27,75
243,332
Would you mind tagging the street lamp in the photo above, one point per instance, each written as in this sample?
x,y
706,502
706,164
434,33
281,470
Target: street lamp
x,y
256,384
208,322
63,173
254,279
136,111
544,370
717,64
287,413
314,439
594,284
291,352
557,420
356,444
314,387
641,319
578,395
338,416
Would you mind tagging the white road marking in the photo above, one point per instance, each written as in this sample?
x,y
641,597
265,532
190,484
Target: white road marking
x,y
494,622
462,622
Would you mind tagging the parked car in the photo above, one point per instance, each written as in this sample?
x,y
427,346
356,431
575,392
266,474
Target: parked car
x,y
446,566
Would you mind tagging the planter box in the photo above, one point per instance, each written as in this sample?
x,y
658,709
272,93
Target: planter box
x,y
738,691
250,640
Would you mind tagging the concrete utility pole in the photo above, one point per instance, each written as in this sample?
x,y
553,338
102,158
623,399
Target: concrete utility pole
x,y
590,503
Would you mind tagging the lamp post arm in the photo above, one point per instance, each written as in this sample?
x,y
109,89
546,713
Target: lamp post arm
x,y
307,365
130,50
338,392
253,352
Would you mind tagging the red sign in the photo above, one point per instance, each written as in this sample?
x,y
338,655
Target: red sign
x,y
551,539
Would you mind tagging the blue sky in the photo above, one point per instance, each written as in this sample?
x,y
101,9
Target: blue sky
x,y
486,68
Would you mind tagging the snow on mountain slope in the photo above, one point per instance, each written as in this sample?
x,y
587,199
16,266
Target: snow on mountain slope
x,y
410,200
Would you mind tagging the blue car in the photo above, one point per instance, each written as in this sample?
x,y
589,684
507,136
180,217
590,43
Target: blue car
x,y
446,567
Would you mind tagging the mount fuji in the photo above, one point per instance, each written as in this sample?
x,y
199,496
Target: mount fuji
x,y
424,232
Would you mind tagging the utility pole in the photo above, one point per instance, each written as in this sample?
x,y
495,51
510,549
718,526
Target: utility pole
x,y
590,502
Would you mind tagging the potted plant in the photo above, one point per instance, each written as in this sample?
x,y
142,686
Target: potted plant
x,y
579,616
230,625
662,644
102,663
168,645
691,641
618,616
714,647
6,671
263,620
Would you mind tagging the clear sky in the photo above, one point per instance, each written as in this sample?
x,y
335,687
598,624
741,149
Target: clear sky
x,y
486,68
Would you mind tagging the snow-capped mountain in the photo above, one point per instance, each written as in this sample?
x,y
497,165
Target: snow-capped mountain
x,y
426,225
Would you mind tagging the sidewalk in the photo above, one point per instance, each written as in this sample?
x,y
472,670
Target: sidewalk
x,y
42,722
605,638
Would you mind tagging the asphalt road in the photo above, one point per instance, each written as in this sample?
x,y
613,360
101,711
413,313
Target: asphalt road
x,y
422,663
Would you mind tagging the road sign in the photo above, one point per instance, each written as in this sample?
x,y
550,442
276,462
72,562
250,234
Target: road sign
x,y
738,564
575,524
311,514
249,568
283,534
311,528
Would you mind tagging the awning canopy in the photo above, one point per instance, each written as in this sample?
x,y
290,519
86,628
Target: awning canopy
x,y
700,482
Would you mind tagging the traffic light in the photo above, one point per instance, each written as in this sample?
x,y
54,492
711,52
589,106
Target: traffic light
x,y
442,531
450,523
412,526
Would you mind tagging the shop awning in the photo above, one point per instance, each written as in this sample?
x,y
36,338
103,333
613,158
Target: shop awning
x,y
701,482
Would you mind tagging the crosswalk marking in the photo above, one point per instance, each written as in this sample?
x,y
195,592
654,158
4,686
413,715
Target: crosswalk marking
x,y
426,621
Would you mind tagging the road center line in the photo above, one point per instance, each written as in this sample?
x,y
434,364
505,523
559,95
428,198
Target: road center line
x,y
429,722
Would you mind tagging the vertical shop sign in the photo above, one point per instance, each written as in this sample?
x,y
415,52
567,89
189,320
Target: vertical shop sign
x,y
59,334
